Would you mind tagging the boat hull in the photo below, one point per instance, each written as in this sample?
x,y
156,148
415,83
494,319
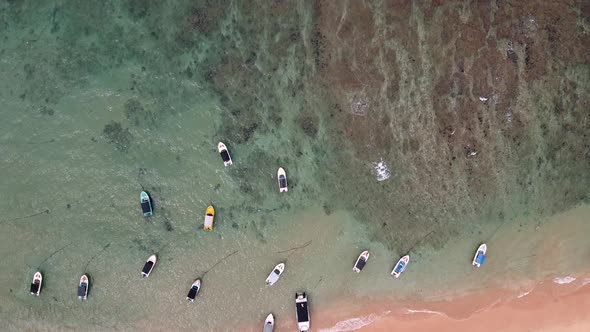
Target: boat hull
x,y
146,204
303,317
282,179
37,283
149,266
361,261
209,218
273,277
480,255
194,290
83,288
224,152
400,266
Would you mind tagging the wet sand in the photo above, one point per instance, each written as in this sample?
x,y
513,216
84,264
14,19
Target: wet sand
x,y
547,307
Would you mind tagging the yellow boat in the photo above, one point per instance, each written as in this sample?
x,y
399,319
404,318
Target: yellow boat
x,y
209,215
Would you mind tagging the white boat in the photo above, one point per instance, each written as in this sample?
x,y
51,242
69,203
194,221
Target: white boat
x,y
480,255
146,204
149,266
36,284
224,152
192,293
303,318
83,288
269,323
275,274
400,267
361,261
282,177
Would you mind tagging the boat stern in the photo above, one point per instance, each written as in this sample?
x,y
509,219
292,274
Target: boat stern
x,y
303,327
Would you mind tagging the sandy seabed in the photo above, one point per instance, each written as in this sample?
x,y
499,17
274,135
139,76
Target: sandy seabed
x,y
552,296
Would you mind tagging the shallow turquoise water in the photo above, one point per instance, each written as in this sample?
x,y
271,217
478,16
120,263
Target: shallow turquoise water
x,y
101,100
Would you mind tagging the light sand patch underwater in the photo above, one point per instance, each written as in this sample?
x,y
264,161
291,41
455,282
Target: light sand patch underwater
x,y
318,251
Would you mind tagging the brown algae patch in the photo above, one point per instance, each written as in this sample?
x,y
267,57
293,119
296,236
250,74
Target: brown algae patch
x,y
477,108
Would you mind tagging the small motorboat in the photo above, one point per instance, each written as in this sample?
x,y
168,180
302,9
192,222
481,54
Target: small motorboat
x,y
192,293
400,267
269,323
361,261
303,319
224,154
209,216
146,204
149,266
282,177
275,274
480,255
83,288
36,284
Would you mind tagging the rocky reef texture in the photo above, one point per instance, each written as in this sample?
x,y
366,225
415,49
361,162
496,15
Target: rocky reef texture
x,y
480,109
424,118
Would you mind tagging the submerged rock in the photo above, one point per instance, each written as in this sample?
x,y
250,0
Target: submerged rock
x,y
115,134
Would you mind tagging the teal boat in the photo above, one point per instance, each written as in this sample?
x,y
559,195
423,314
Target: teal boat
x,y
400,267
146,204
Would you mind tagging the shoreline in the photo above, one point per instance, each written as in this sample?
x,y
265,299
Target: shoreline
x,y
543,286
557,304
440,286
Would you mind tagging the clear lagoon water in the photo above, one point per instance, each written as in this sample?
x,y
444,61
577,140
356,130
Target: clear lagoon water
x,y
402,128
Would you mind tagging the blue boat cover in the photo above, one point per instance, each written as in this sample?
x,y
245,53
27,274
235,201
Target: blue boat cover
x,y
480,258
400,268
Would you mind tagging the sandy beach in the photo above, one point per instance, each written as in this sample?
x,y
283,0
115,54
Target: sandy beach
x,y
549,306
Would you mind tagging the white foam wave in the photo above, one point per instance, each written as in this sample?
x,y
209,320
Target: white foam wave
x,y
564,280
523,294
353,324
424,311
381,171
586,282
